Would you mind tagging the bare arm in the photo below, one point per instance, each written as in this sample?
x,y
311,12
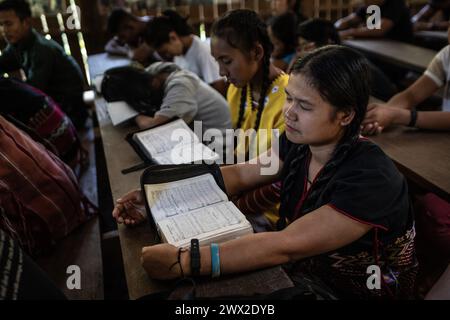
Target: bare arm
x,y
432,120
385,116
145,122
318,232
419,91
246,176
380,115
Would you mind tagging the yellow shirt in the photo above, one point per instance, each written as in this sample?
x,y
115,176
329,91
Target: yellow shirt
x,y
271,118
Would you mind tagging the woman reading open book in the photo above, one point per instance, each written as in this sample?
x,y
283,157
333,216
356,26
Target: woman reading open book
x,y
344,206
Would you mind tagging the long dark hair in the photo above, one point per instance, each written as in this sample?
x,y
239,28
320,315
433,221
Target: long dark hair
x,y
319,31
132,85
283,28
341,76
159,28
243,29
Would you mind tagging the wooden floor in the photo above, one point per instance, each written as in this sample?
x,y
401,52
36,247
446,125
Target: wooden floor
x,y
97,190
88,180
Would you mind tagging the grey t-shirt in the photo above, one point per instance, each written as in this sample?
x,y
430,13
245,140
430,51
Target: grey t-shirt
x,y
189,98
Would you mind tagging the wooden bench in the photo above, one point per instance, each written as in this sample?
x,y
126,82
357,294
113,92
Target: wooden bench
x,y
81,248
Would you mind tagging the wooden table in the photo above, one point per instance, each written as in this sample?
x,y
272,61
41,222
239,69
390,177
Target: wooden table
x,y
398,53
422,156
120,155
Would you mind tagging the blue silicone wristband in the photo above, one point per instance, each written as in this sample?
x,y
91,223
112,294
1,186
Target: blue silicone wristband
x,y
215,260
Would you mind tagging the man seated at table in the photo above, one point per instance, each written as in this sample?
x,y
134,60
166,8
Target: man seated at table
x,y
434,16
44,63
400,110
128,40
395,22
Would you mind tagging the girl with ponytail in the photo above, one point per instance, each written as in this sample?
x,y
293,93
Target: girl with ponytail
x,y
242,47
345,210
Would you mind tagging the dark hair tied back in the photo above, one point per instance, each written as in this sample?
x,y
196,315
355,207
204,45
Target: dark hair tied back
x,y
341,76
159,28
243,29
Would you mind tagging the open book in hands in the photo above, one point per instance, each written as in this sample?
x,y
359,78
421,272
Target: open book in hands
x,y
186,202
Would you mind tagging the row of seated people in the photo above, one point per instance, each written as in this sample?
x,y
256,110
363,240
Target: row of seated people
x,y
321,108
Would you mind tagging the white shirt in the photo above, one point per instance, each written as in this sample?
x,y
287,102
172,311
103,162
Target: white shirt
x,y
198,59
438,71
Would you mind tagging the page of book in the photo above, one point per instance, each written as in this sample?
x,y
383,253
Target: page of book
x,y
159,140
213,221
178,197
164,149
186,154
120,111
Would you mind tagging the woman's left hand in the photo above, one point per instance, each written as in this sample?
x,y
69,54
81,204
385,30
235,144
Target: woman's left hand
x,y
160,261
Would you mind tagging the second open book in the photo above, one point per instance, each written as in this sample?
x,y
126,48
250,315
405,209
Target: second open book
x,y
191,204
171,143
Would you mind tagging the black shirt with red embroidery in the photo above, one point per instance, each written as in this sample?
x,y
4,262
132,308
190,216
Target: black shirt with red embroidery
x,y
368,188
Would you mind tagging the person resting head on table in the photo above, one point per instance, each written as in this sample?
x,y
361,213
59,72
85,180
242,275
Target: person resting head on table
x,y
343,202
172,92
400,110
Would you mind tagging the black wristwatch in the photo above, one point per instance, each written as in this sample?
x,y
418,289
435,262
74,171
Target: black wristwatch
x,y
195,257
413,121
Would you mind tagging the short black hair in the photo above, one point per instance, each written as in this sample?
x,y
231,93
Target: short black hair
x,y
116,18
320,31
20,7
160,27
283,28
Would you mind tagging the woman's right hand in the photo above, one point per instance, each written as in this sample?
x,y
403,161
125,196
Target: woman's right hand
x,y
130,209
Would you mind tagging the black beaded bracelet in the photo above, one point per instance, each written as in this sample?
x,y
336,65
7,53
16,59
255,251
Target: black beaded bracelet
x,y
413,121
180,250
195,257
